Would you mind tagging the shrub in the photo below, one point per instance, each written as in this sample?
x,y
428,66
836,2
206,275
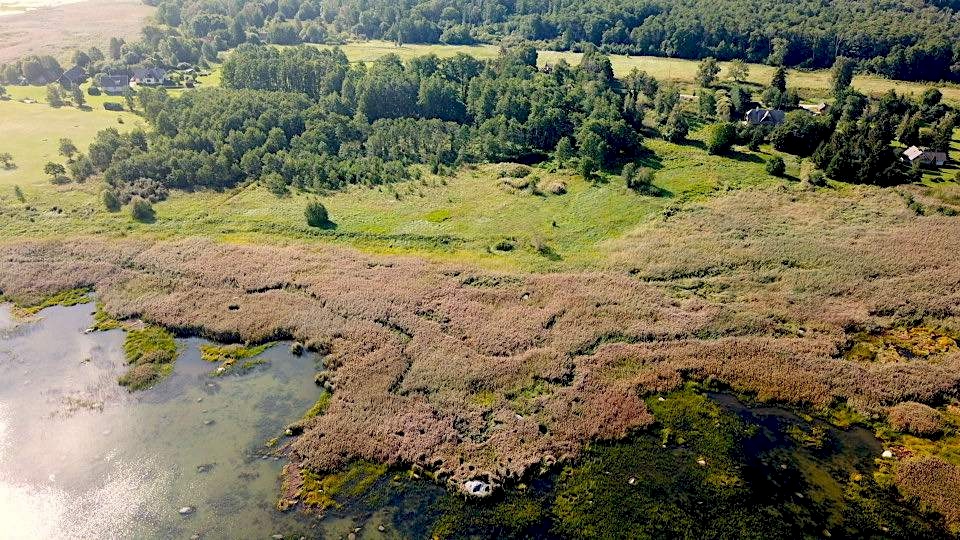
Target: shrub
x,y
110,201
587,168
720,137
112,106
93,91
642,179
776,166
915,418
316,215
141,210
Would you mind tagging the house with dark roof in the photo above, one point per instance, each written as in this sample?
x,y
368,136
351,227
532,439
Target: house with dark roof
x,y
924,156
149,77
113,84
765,117
73,76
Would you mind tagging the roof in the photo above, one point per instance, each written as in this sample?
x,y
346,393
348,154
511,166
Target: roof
x,y
114,81
912,153
151,73
75,73
765,116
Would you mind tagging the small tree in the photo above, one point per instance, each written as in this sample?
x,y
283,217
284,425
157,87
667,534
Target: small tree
x,y
276,184
841,75
6,159
587,168
3,92
141,210
128,96
642,179
81,168
54,95
707,71
77,96
738,70
676,128
58,174
18,193
629,170
67,149
776,167
779,80
316,215
563,151
110,201
708,103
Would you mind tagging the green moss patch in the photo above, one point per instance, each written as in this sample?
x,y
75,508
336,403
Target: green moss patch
x,y
901,344
70,297
320,492
102,321
320,406
228,355
151,352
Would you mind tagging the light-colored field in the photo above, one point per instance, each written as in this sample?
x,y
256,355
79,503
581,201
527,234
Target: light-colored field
x,y
59,29
812,84
31,133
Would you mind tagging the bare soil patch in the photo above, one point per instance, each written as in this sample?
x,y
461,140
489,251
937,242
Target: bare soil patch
x,y
58,30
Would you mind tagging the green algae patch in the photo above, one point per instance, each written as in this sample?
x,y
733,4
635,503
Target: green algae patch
x,y
70,297
901,344
150,352
228,355
320,492
102,321
516,516
320,406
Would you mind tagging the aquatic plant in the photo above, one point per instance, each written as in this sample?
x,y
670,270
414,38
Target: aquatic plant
x,y
66,298
151,352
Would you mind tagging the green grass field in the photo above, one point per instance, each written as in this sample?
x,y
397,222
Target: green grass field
x,y
31,133
812,84
457,217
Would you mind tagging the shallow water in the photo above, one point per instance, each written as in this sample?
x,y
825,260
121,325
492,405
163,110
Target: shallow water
x,y
82,458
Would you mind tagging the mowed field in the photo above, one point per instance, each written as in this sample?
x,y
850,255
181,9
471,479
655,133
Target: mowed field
x,y
812,84
58,30
31,133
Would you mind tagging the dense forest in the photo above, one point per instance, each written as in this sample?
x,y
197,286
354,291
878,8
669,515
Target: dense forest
x,y
902,39
908,40
307,119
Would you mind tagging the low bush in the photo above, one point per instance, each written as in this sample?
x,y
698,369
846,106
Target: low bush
x,y
915,418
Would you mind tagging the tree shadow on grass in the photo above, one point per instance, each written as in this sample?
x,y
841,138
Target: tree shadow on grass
x,y
743,156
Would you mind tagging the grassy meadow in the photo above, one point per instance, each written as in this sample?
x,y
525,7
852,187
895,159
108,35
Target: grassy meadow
x,y
467,215
470,215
